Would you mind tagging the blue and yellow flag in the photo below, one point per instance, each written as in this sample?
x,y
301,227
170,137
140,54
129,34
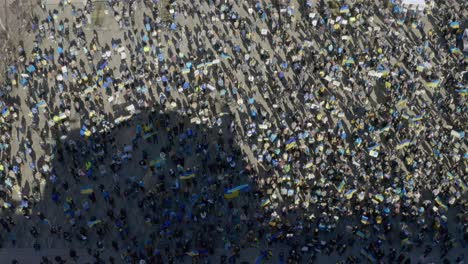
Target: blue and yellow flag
x,y
85,132
417,118
369,256
462,91
5,112
291,143
341,186
309,164
402,103
433,83
361,234
349,194
93,223
241,188
41,104
149,135
406,241
379,197
375,147
231,195
365,220
186,176
403,144
86,190
440,203
265,202
385,129
455,50
454,24
225,56
461,184
234,192
157,163
344,9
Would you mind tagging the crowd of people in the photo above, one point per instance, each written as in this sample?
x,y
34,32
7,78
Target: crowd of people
x,y
141,131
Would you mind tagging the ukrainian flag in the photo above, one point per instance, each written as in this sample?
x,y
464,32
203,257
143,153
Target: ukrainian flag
x,y
417,118
285,178
232,195
265,202
309,164
225,56
41,104
385,129
185,70
84,132
406,241
87,190
384,72
365,220
462,91
349,194
379,197
360,234
240,188
156,163
348,61
234,192
319,148
376,146
403,144
341,186
291,143
5,112
187,175
149,135
450,175
344,9
455,50
461,183
93,223
369,256
402,103
433,83
440,203
455,25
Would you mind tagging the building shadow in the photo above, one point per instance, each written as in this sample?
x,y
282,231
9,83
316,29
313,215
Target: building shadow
x,y
150,187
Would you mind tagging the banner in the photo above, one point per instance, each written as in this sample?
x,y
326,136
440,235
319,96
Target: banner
x,y
349,194
440,203
93,223
291,143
